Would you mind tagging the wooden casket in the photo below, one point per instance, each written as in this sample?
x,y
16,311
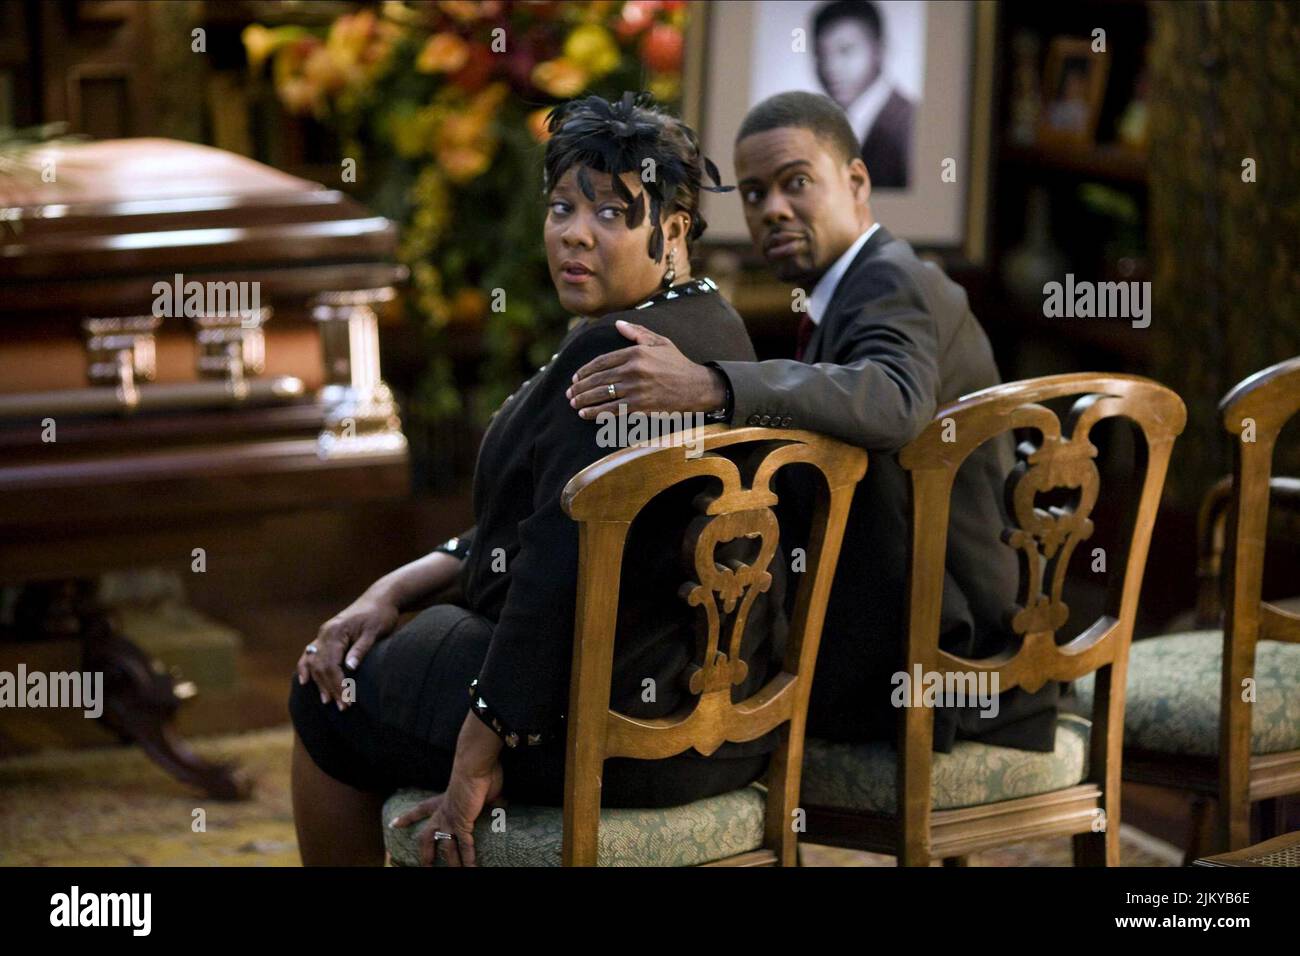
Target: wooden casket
x,y
187,338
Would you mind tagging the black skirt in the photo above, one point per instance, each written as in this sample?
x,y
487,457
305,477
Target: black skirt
x,y
412,695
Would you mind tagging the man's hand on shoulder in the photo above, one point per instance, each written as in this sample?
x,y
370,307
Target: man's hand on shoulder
x,y
650,376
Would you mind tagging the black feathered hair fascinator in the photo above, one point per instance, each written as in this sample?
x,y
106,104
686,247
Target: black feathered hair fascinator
x,y
620,137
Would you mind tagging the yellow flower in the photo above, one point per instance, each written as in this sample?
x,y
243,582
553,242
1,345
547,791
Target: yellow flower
x,y
258,42
664,86
561,77
444,53
412,131
592,47
595,11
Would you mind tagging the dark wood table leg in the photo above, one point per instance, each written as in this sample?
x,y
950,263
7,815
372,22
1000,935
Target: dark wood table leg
x,y
140,703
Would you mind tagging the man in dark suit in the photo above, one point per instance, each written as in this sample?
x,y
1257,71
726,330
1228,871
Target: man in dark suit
x,y
884,342
849,46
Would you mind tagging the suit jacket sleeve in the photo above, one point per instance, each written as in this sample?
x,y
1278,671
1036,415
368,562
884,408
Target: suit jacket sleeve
x,y
881,388
525,676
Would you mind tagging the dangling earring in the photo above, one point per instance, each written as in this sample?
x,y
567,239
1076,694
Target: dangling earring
x,y
671,274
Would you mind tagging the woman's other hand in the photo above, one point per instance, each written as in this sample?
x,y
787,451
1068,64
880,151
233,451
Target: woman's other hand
x,y
476,780
454,812
351,632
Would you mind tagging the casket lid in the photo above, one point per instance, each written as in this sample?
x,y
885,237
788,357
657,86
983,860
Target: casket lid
x,y
148,208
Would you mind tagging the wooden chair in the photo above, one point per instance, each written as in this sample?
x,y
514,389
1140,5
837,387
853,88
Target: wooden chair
x,y
745,828
920,805
1177,735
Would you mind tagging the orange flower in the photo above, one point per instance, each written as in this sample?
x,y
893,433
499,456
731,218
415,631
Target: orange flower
x,y
297,90
561,78
489,100
444,53
467,11
462,164
296,94
537,124
360,42
322,72
468,305
463,143
349,35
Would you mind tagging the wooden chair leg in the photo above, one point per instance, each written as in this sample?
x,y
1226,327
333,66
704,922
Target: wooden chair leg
x,y
913,856
1196,840
1233,825
1270,819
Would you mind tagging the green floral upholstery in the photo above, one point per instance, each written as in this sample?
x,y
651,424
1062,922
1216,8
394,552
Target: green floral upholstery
x,y
1172,701
862,776
699,832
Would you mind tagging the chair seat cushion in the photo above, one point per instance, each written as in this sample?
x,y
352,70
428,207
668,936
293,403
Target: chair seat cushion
x,y
861,776
699,832
1172,700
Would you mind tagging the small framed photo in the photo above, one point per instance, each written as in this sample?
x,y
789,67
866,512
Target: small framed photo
x,y
1074,84
914,78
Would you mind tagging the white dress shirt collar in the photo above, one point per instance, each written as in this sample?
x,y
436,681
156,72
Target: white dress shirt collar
x,y
824,290
863,111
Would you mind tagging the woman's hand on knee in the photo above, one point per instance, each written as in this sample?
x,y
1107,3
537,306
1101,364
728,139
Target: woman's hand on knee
x,y
320,663
360,624
347,635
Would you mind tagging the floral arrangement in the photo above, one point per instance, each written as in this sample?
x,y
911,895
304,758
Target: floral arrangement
x,y
443,106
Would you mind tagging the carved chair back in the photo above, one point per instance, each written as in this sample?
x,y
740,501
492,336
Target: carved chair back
x,y
1062,457
605,498
1254,412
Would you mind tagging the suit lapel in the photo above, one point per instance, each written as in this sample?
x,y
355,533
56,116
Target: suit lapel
x,y
869,248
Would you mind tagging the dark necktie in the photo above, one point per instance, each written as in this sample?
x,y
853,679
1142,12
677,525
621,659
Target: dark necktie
x,y
806,327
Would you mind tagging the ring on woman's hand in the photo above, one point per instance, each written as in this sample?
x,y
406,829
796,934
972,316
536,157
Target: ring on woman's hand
x,y
613,390
312,649
443,835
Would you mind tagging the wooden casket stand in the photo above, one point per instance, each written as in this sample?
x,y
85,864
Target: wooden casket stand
x,y
189,342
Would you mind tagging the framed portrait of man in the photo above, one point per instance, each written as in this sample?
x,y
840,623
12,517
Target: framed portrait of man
x,y
906,73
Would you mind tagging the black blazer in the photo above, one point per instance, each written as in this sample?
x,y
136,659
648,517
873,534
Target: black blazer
x,y
887,147
533,446
898,340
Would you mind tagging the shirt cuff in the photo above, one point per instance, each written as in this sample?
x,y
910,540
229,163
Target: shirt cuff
x,y
728,406
457,547
512,737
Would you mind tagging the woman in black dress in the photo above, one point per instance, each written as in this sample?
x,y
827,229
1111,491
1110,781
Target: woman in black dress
x,y
470,701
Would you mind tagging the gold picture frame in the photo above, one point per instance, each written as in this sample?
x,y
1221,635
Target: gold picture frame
x,y
1074,85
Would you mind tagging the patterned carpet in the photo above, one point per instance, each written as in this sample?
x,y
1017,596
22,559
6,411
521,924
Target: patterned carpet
x,y
112,807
